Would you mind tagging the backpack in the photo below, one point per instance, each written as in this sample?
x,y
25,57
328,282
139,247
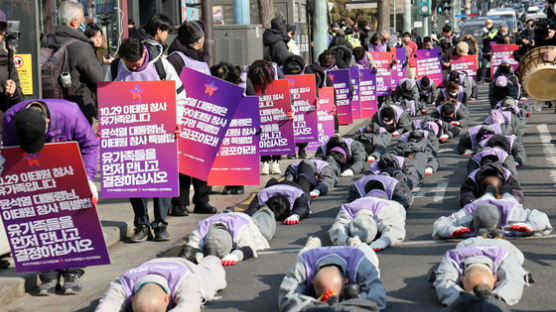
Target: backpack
x,y
54,62
158,65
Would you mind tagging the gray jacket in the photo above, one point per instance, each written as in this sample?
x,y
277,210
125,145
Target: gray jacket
x,y
356,160
295,295
510,272
373,141
327,177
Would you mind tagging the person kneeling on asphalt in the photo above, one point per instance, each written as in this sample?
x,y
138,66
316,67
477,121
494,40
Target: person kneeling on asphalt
x,y
452,112
443,131
393,118
366,218
494,265
165,284
375,140
231,236
394,189
491,155
289,201
397,167
346,154
427,90
491,216
492,173
333,278
326,175
469,142
416,145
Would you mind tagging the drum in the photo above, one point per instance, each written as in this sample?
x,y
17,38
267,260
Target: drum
x,y
538,77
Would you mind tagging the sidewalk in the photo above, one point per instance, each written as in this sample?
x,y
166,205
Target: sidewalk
x,y
116,218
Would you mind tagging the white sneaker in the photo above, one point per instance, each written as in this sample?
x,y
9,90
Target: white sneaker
x,y
275,169
265,169
313,242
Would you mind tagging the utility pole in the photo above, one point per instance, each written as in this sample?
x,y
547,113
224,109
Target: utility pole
x,y
407,16
266,12
209,32
241,12
384,16
320,27
395,18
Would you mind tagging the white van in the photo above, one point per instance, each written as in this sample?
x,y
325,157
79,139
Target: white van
x,y
508,14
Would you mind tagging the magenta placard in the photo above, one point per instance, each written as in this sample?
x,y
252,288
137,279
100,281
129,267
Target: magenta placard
x,y
237,162
47,212
367,91
210,105
383,62
325,113
342,88
303,93
498,52
138,149
467,63
398,70
276,127
355,101
429,64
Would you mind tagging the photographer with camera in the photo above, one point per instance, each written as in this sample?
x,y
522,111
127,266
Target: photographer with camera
x,y
10,90
545,29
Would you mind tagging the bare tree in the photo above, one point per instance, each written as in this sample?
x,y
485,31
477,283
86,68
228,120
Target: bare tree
x,y
384,15
266,12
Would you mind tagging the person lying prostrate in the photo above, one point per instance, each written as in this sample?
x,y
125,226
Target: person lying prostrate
x,y
397,167
393,119
469,142
326,175
394,189
500,88
346,154
416,146
452,112
508,143
375,140
444,131
509,125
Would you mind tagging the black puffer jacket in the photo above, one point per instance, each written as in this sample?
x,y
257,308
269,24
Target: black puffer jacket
x,y
5,101
275,41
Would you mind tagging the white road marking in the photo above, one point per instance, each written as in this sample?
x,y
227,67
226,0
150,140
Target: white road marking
x,y
445,149
437,192
548,149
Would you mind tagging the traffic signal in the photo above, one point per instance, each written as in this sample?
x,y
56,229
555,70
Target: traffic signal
x,y
446,5
424,7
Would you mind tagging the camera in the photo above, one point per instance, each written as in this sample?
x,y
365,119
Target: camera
x,y
12,34
542,26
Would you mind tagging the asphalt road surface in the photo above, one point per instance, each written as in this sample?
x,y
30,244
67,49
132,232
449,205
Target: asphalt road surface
x,y
253,285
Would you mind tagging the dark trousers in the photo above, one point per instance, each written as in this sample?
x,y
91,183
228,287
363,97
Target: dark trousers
x,y
201,188
161,206
270,158
484,68
308,173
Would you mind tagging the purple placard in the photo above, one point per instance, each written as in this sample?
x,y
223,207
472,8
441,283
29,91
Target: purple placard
x,y
276,127
209,107
138,149
367,91
326,113
383,62
47,211
342,88
355,101
398,70
303,93
237,162
498,52
429,64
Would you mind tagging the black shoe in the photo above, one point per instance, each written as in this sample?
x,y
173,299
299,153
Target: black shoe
x,y
160,232
302,154
47,287
291,156
179,211
140,234
228,190
72,284
238,190
205,208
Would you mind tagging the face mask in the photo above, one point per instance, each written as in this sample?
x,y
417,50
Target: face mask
x,y
389,122
453,93
81,27
503,33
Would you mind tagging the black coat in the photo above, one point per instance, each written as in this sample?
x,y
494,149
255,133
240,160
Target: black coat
x,y
5,101
275,41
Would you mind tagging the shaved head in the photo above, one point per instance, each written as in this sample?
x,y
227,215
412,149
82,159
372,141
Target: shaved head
x,y
150,298
328,278
478,274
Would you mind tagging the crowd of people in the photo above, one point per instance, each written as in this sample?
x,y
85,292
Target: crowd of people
x,y
394,151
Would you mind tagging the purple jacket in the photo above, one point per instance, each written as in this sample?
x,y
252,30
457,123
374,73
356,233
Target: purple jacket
x,y
67,123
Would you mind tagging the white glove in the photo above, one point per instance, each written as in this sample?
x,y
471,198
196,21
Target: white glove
x,y
444,137
468,152
94,192
378,245
229,259
291,220
353,241
371,159
428,171
199,257
2,161
314,193
395,134
347,173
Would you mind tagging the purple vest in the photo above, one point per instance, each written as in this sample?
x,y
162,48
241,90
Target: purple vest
x,y
366,203
422,90
233,222
381,47
376,170
397,113
418,123
457,106
173,273
473,174
458,256
289,191
319,164
389,184
193,63
458,98
475,129
511,139
351,255
504,207
400,83
502,155
147,74
405,137
348,143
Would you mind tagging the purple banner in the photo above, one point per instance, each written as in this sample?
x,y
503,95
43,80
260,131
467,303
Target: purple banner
x,y
237,162
383,62
342,88
367,91
355,101
326,114
466,63
276,126
303,93
47,212
209,107
498,52
429,64
398,70
138,149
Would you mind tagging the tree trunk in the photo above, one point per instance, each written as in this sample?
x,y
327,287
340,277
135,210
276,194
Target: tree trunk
x,y
384,16
266,12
